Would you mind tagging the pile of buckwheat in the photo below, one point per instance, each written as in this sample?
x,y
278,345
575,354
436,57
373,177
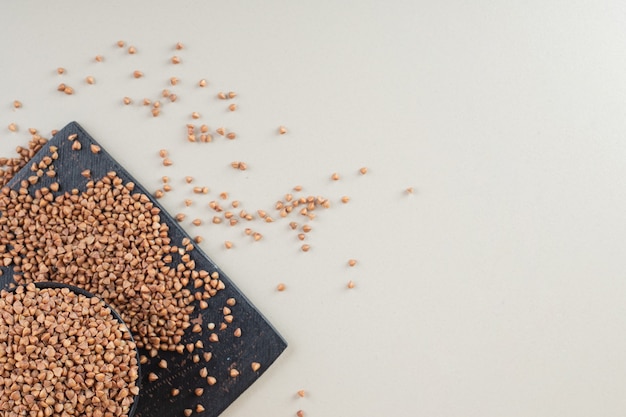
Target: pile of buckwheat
x,y
63,354
109,241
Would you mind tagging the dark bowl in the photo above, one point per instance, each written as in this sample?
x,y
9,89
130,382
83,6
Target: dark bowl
x,y
76,290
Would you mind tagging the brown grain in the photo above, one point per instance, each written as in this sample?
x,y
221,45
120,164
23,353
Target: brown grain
x,y
39,368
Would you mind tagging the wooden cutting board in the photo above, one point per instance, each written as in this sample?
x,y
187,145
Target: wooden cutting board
x,y
259,341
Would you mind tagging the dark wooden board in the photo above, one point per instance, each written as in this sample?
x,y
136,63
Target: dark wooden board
x,y
259,342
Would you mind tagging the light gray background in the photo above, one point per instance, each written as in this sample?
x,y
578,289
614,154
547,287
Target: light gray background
x,y
497,289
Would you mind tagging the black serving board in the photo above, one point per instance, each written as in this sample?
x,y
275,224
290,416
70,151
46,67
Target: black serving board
x,y
259,341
